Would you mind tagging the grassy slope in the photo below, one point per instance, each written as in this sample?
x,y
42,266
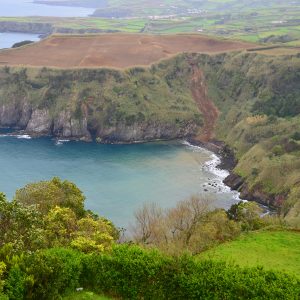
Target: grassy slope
x,y
160,94
85,296
272,250
237,84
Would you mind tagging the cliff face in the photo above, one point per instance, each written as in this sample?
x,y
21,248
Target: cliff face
x,y
44,28
26,27
39,122
249,101
106,105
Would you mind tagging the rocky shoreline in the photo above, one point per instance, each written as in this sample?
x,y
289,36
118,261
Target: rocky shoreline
x,y
223,151
236,182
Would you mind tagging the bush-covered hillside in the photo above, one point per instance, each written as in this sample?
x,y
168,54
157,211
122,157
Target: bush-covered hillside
x,y
259,100
257,96
112,105
51,246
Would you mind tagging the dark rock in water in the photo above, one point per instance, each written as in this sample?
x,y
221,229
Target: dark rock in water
x,y
234,181
205,190
20,44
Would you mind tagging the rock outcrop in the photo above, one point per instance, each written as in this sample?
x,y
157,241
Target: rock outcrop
x,y
39,122
256,194
68,127
148,131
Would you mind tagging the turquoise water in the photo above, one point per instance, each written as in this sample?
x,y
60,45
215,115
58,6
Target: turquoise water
x,y
116,179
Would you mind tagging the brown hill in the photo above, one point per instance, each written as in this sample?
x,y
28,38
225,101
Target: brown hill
x,y
113,50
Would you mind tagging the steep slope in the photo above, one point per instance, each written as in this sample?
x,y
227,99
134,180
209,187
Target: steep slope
x,y
205,104
249,101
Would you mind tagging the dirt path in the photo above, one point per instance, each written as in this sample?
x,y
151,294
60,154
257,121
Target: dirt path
x,y
206,106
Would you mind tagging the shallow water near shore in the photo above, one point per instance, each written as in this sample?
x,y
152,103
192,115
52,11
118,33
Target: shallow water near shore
x,y
116,179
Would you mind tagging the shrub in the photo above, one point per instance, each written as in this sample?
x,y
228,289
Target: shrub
x,y
17,282
55,272
296,136
133,273
45,195
277,150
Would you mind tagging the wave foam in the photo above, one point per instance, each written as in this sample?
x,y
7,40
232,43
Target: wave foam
x,y
23,136
17,136
61,142
211,167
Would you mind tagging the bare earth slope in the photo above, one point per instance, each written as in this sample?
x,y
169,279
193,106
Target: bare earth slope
x,y
113,50
205,105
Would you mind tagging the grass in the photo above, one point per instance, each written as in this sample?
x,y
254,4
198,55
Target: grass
x,y
85,296
236,20
278,250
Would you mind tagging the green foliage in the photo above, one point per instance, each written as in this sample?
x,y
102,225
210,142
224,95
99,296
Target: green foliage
x,y
54,271
2,271
21,226
60,224
133,273
296,136
17,283
274,250
85,296
248,214
45,195
277,150
35,220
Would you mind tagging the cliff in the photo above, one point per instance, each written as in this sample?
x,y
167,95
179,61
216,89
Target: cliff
x,y
45,29
249,101
106,105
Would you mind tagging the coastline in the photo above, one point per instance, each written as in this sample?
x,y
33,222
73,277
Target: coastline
x,y
226,162
235,182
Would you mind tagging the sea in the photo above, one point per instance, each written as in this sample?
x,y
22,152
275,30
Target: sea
x,y
116,179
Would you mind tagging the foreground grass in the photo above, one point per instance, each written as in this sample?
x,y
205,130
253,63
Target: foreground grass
x,y
85,296
278,250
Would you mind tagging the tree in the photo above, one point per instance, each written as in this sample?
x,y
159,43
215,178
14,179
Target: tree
x,y
92,235
60,224
248,214
45,195
21,226
147,220
62,228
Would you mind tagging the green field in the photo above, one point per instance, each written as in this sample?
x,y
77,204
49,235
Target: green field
x,y
278,250
85,296
263,21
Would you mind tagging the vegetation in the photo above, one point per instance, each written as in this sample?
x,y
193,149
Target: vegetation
x,y
132,273
106,97
28,226
85,296
263,139
190,226
267,22
271,249
80,252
